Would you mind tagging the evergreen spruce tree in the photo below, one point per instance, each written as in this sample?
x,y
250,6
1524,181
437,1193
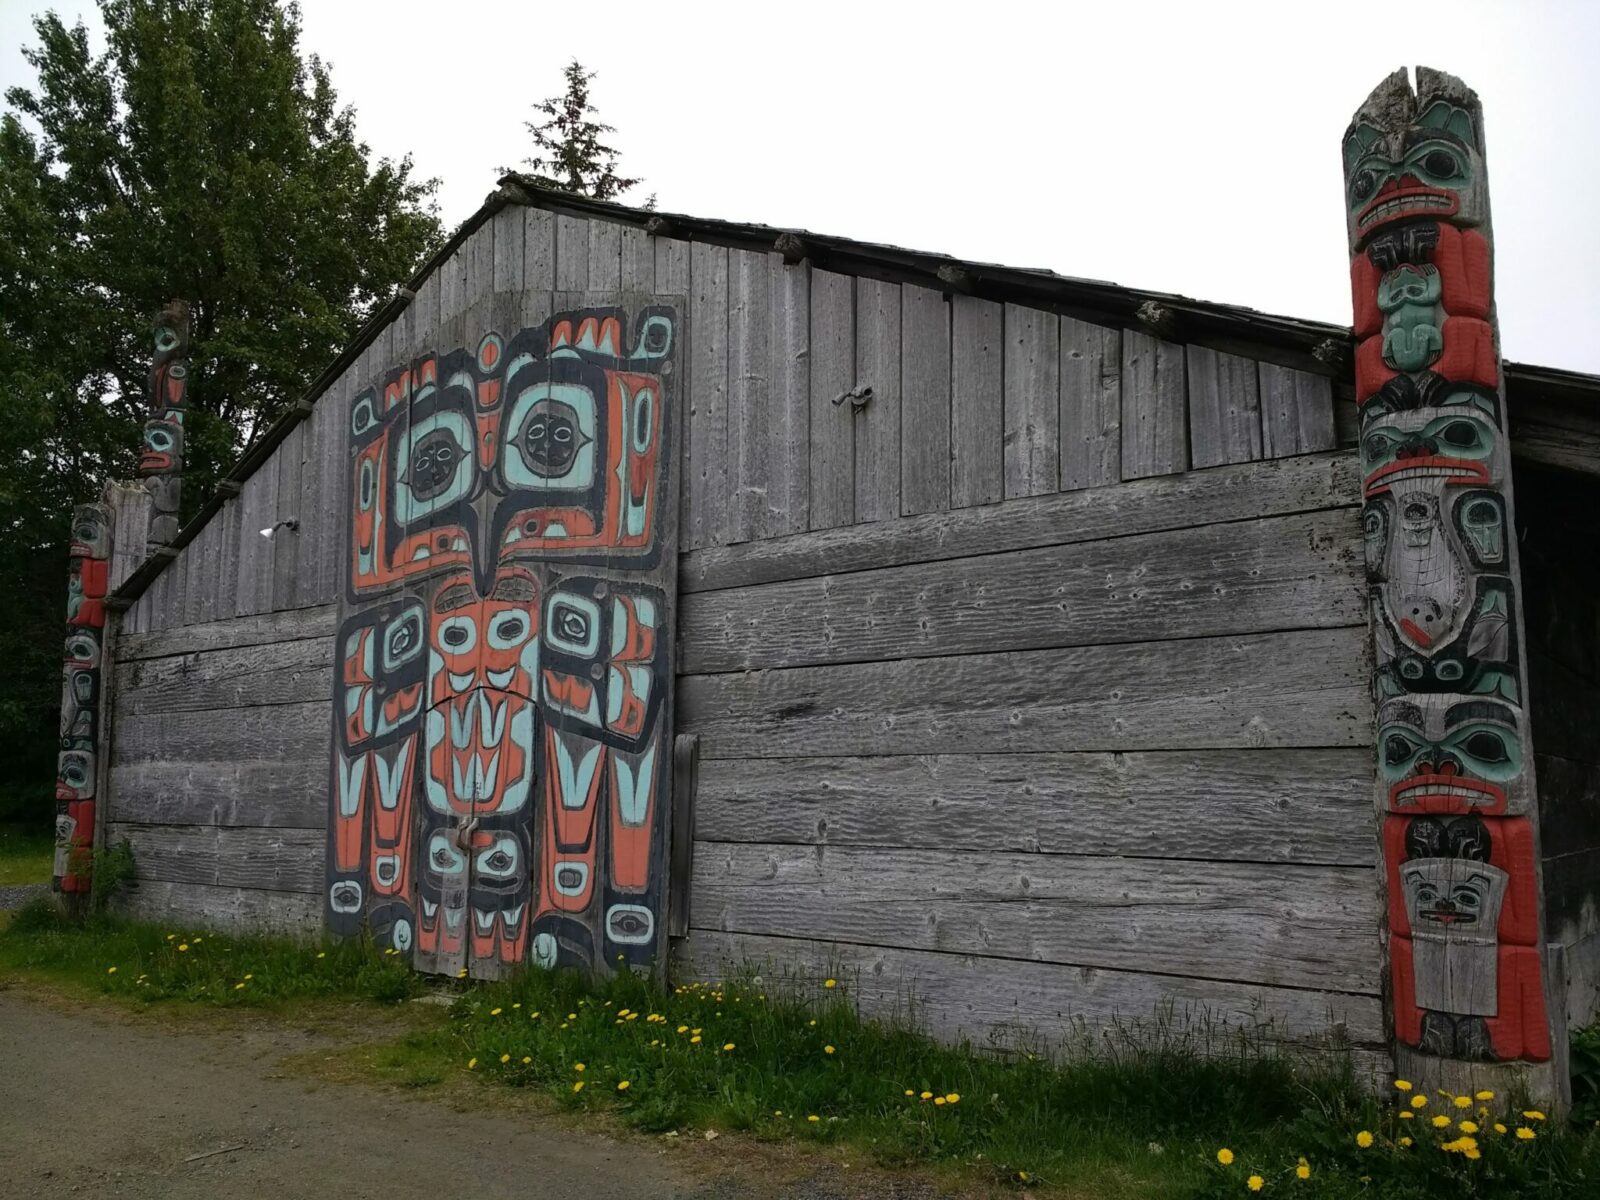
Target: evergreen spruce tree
x,y
569,155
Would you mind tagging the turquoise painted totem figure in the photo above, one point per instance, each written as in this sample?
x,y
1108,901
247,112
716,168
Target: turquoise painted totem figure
x,y
502,741
161,463
1455,769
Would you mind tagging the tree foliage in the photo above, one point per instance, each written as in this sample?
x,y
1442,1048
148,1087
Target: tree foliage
x,y
569,155
200,155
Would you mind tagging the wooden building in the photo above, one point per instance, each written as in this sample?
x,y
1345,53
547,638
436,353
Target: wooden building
x,y
1020,619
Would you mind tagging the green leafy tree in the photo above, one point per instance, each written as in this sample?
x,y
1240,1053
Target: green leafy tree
x,y
201,155
569,155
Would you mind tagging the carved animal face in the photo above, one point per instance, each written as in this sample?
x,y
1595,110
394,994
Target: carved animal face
x,y
1429,168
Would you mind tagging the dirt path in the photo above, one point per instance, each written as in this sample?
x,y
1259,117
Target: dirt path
x,y
103,1102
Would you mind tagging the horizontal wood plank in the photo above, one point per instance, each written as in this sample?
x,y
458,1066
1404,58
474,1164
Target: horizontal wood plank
x,y
286,792
1186,501
1276,573
198,906
316,621
269,731
1290,926
1289,689
1023,1005
273,673
1281,806
279,860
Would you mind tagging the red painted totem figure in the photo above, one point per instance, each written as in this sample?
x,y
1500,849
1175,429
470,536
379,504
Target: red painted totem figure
x,y
1455,768
89,558
504,657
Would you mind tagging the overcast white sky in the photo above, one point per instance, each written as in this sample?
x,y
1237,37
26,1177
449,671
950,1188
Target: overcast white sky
x,y
1187,147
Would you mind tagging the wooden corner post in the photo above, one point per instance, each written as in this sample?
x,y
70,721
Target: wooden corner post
x,y
1455,774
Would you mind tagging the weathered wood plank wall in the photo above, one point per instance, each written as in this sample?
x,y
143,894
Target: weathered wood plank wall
x,y
1035,682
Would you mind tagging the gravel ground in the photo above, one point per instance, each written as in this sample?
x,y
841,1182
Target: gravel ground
x,y
104,1101
16,897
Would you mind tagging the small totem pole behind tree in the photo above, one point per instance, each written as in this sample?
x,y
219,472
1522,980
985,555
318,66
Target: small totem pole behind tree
x,y
161,464
1455,767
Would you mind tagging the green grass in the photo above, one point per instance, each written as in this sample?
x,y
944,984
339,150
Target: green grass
x,y
1144,1118
26,855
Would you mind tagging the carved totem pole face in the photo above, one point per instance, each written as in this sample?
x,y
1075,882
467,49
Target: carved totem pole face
x,y
1454,762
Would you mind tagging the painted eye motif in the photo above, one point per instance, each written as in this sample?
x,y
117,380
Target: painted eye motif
x,y
1461,434
1487,747
458,635
1441,164
1466,898
441,858
1364,184
499,862
1376,446
433,464
1396,750
508,630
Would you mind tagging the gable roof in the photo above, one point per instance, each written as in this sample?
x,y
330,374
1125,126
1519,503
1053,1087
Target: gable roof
x,y
1558,410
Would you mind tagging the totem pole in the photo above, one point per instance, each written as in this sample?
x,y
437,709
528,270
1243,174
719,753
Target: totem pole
x,y
161,464
1455,766
89,556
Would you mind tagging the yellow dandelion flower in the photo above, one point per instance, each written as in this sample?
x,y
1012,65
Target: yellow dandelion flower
x,y
1473,1153
813,1118
248,978
1023,1177
827,1049
1469,1127
623,1086
183,947
472,1064
461,974
518,1004
830,983
1225,1157
172,937
238,987
111,970
572,1016
940,1101
910,1092
811,1024
1303,1170
696,1032
526,1060
1403,1085
494,1012
1525,1134
1405,1142
1484,1095
534,1015
683,1029
1406,1114
695,1040
1255,1183
1441,1122
322,954
953,1098
1533,1114
927,1095
1462,1101
1499,1128
578,1067
578,1087
505,1058
777,1112
727,1046
1419,1102
1364,1139
563,1025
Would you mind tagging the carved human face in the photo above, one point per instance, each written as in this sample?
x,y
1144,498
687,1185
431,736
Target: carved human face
x,y
1440,446
1444,753
91,532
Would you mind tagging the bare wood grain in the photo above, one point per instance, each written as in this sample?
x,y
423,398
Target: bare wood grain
x,y
605,256
1032,402
1188,501
571,254
977,401
313,622
224,909
1224,408
1296,412
750,404
276,673
1091,405
1032,1006
877,423
833,373
1154,410
925,459
1295,572
271,792
1275,690
279,860
1279,924
267,731
1278,806
706,480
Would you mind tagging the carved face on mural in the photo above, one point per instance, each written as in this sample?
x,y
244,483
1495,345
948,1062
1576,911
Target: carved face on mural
x,y
1452,754
535,702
